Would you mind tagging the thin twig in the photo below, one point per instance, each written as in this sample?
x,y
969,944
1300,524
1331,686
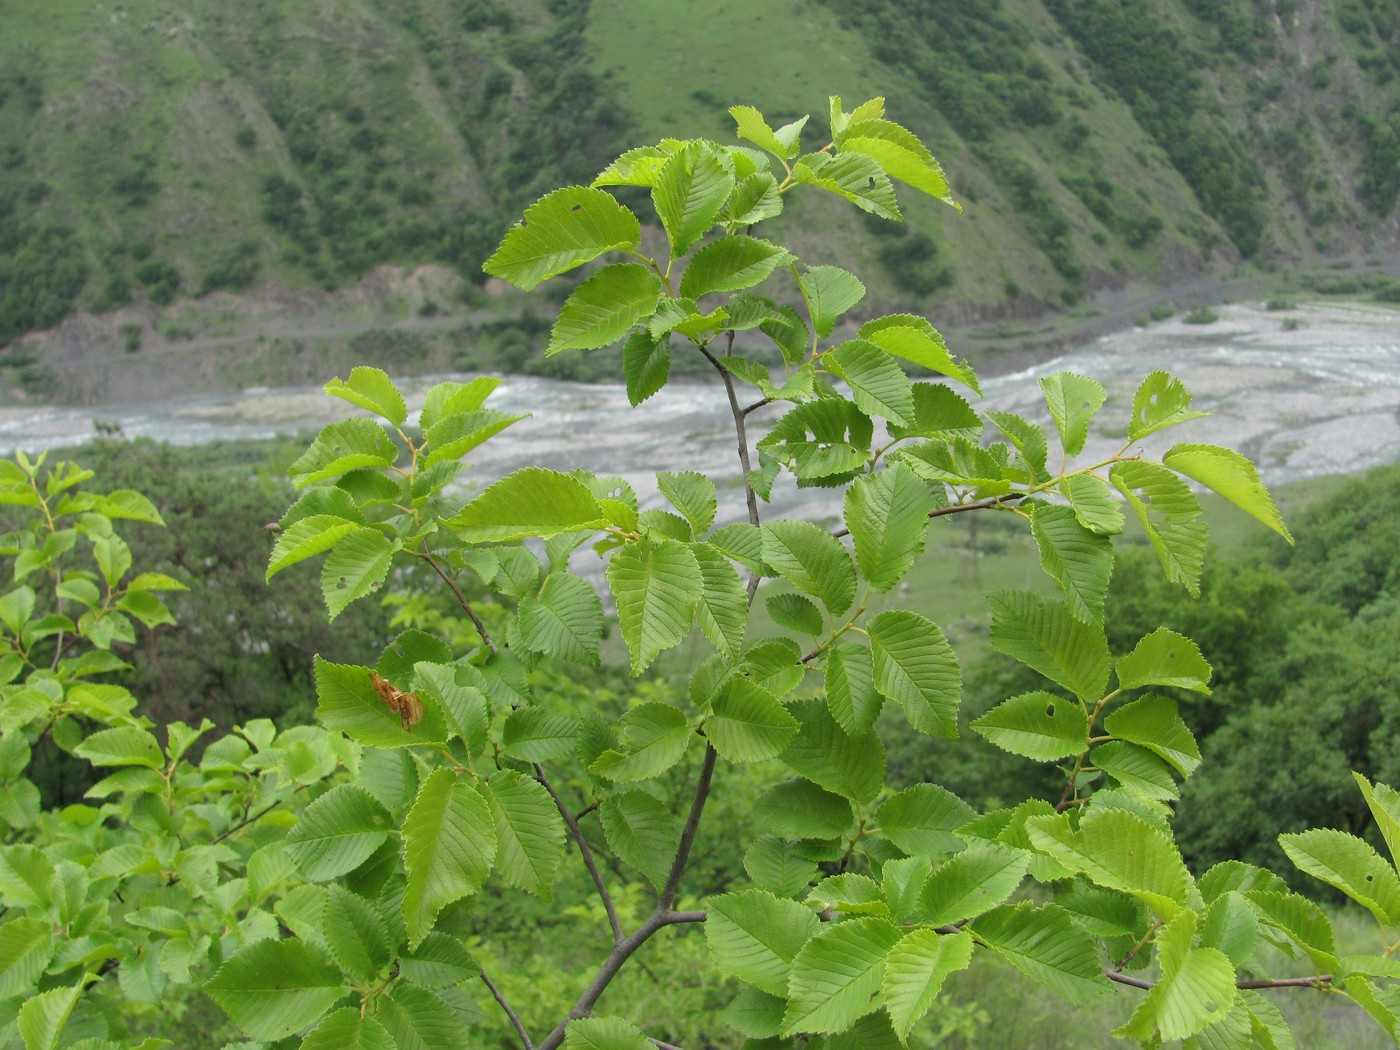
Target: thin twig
x,y
741,433
245,822
586,852
692,825
514,1017
658,920
662,1046
1285,982
961,508
461,598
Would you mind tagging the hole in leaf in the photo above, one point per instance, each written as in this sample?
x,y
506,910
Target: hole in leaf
x,y
1049,710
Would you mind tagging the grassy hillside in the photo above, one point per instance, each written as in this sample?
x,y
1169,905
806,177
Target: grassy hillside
x,y
155,149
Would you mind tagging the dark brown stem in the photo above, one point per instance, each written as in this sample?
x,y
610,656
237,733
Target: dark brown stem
x,y
1286,982
246,821
961,508
461,598
586,852
658,920
514,1017
692,825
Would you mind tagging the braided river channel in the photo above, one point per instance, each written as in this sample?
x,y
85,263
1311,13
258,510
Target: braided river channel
x,y
1314,390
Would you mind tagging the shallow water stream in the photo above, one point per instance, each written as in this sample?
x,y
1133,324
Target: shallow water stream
x,y
1322,397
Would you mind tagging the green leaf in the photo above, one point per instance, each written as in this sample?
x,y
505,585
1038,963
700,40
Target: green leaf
x,y
912,338
449,398
723,609
852,176
533,501
778,866
562,230
921,820
348,702
605,1033
1045,944
850,688
121,746
830,291
755,1014
799,809
529,830
601,309
747,723
1078,559
812,560
129,505
1170,515
356,566
273,989
1093,503
655,736
879,386
453,436
899,152
940,412
915,971
43,1017
793,612
1121,851
1136,769
646,364
27,877
1153,723
656,586
1301,919
1161,401
755,198
1384,803
753,127
1041,633
440,961
1349,864
635,167
449,841
1072,401
642,832
458,693
347,1030
371,388
26,946
1026,437
690,193
974,881
691,493
755,936
534,734
338,832
355,934
1231,926
565,620
917,668
343,447
1038,725
417,1019
1196,987
731,264
851,766
1230,474
1165,658
837,976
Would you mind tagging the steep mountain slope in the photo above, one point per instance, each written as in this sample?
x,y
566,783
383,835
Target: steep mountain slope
x,y
160,148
